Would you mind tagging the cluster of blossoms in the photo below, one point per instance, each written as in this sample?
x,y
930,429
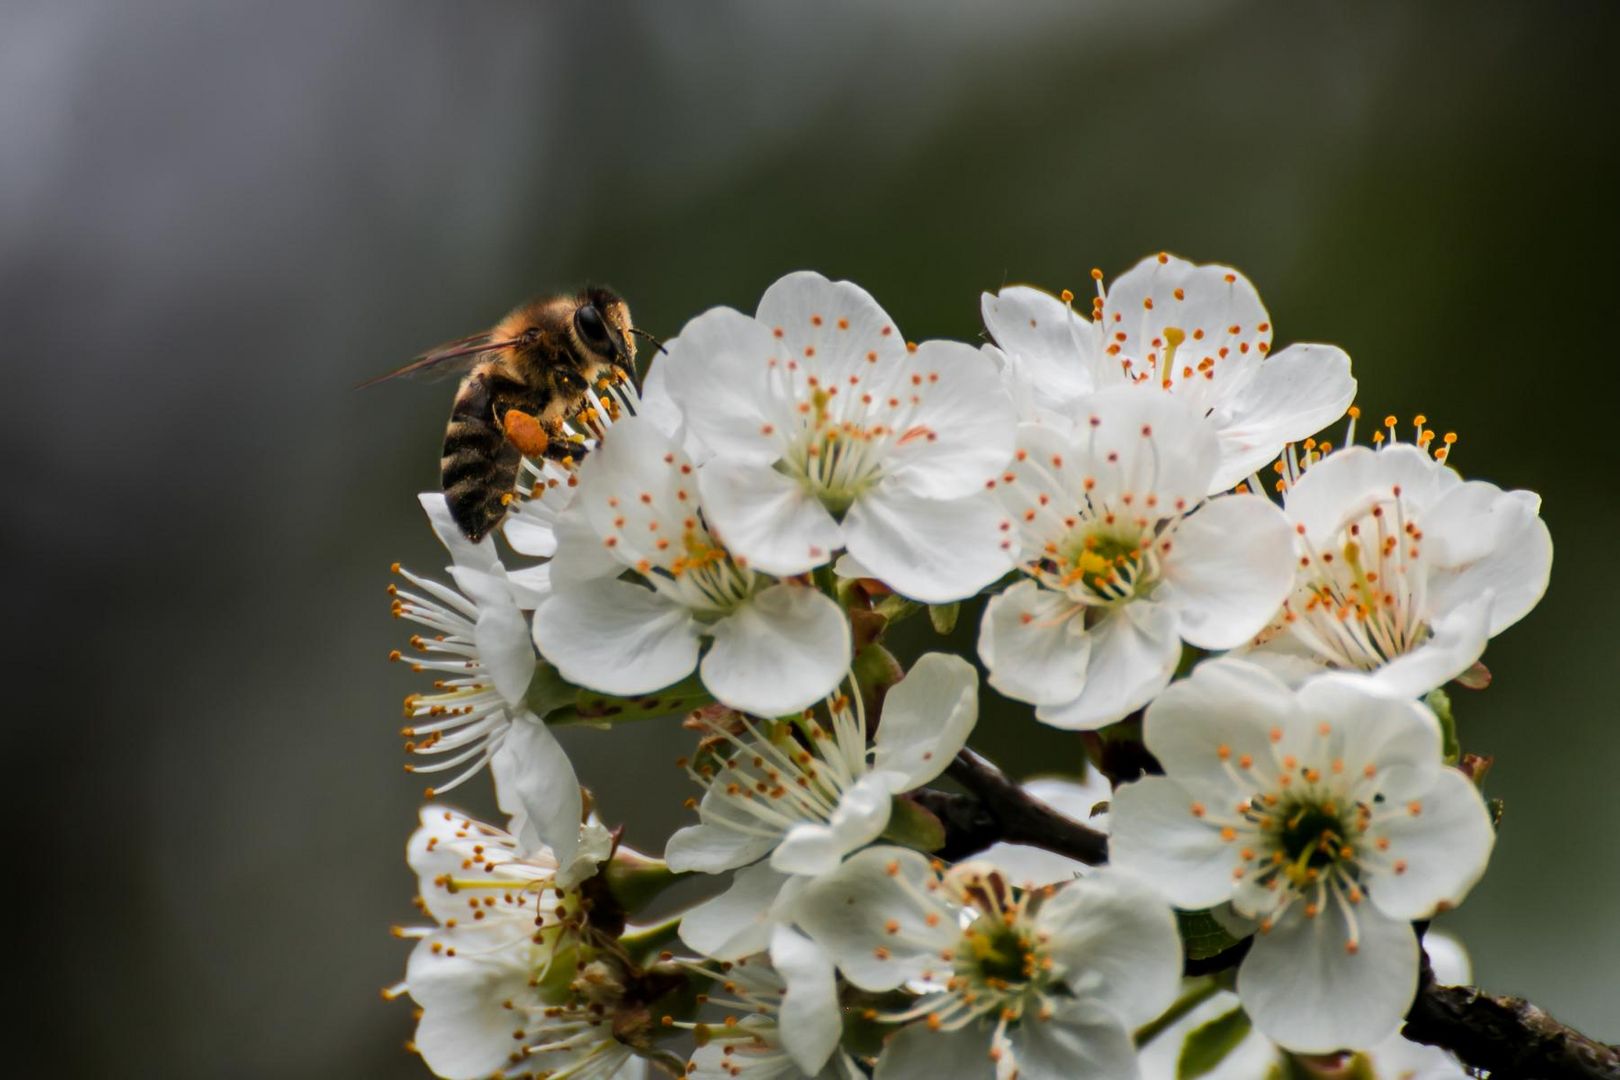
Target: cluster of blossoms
x,y
1164,550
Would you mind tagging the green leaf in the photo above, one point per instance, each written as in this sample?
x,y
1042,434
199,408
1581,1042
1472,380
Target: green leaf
x,y
1440,702
1206,1046
943,616
1201,936
914,827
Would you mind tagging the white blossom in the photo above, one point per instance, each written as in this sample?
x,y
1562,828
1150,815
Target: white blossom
x,y
1254,1055
1406,570
790,1024
499,978
1197,332
1124,558
640,582
741,920
1323,814
806,793
1008,983
478,644
827,432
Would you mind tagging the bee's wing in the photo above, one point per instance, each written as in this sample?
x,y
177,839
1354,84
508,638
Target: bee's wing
x,y
451,358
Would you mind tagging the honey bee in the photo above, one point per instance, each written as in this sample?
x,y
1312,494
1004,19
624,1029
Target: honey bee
x,y
525,378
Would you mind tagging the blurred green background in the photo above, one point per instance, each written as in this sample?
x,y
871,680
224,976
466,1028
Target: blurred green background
x,y
215,218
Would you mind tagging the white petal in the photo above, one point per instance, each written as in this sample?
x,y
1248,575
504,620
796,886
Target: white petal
x,y
1442,849
1134,650
1034,644
530,585
960,434
479,556
1402,1059
1287,656
466,1031
917,1053
1111,924
1215,307
829,326
770,520
1156,836
783,650
1231,567
1227,702
714,846
594,848
528,534
927,718
637,490
1049,342
1348,482
1450,961
861,816
1471,520
1142,444
536,787
581,555
719,371
739,921
444,840
845,913
848,566
1369,725
811,1023
656,404
1303,988
931,550
1457,640
615,637
501,635
1080,1039
1292,394
1502,546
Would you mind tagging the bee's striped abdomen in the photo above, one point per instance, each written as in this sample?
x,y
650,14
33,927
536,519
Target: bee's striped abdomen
x,y
479,466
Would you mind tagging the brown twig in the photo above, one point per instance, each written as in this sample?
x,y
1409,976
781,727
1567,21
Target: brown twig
x,y
1508,1036
997,808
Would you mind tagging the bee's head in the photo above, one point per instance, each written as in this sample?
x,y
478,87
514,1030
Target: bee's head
x,y
602,330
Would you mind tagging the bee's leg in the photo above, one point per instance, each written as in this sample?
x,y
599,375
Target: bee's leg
x,y
565,450
526,432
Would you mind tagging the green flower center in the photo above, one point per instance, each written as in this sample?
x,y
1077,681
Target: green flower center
x,y
1312,837
997,955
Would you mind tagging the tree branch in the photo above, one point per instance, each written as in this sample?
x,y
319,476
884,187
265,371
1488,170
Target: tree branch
x,y
1508,1036
997,808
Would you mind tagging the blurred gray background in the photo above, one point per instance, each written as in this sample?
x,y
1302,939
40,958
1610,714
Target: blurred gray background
x,y
214,218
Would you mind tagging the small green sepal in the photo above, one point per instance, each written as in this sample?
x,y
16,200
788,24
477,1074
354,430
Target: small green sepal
x,y
1201,935
914,827
1207,1045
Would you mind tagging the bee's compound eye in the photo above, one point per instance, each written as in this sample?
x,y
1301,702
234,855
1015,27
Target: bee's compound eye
x,y
592,330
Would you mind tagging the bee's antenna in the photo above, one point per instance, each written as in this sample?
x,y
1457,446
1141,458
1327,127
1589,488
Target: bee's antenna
x,y
636,330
